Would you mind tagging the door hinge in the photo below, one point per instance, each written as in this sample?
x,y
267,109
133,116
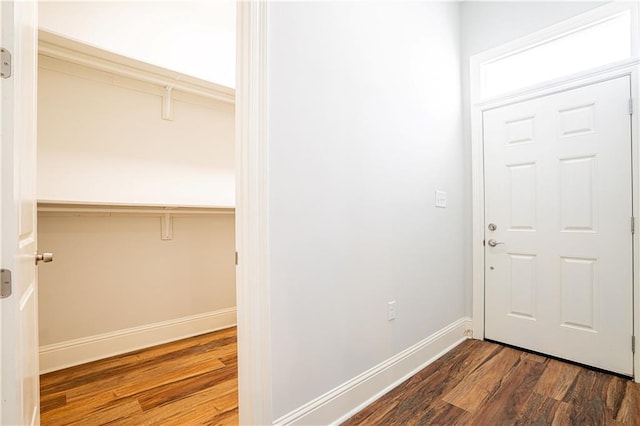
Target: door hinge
x,y
5,63
236,258
5,283
630,106
484,242
633,225
633,344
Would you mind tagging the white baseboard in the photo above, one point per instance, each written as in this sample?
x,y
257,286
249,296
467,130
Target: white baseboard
x,y
344,401
79,351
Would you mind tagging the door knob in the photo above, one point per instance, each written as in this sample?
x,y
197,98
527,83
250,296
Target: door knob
x,y
493,243
44,257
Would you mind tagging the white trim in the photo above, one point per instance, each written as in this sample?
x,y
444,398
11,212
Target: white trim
x,y
477,232
63,48
342,402
79,351
252,216
605,72
630,68
635,164
553,31
3,132
66,209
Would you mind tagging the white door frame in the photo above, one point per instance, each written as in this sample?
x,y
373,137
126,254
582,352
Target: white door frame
x,y
1,380
629,67
254,351
252,216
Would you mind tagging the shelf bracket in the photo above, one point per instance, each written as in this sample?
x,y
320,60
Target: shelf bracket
x,y
167,103
166,227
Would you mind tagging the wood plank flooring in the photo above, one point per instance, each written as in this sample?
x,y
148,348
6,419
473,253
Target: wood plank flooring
x,y
194,381
482,383
191,381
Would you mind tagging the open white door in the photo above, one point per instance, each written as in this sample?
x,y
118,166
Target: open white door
x,y
19,373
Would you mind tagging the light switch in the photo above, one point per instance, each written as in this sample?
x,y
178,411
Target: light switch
x,y
441,199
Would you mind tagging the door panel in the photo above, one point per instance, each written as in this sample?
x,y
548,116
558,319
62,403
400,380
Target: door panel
x,y
19,338
558,186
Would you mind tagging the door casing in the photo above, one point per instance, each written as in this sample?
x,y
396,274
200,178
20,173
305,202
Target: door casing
x,y
631,68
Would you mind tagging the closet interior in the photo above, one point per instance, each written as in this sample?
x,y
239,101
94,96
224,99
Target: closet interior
x,y
136,201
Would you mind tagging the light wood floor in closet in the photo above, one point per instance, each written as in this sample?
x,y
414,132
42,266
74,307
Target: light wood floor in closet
x,y
188,382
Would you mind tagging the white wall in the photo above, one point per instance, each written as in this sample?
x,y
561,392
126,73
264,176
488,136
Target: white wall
x,y
485,25
364,126
102,140
116,286
114,272
197,38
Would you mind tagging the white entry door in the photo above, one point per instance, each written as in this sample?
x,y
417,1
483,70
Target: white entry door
x,y
558,265
19,323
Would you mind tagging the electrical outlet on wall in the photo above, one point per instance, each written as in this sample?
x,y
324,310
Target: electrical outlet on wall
x,y
391,310
441,199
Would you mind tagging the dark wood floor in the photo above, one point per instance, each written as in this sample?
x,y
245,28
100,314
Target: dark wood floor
x,y
188,382
482,383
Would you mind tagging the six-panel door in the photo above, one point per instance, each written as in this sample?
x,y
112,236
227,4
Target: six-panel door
x,y
558,188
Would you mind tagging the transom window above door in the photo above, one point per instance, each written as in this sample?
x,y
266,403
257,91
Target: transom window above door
x,y
599,39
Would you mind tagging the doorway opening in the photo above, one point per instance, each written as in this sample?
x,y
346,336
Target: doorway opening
x,y
136,200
